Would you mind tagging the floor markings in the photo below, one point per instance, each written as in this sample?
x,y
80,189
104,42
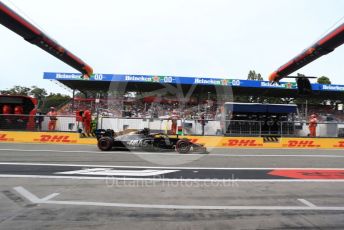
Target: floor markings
x,y
306,202
47,200
168,174
160,167
114,172
226,181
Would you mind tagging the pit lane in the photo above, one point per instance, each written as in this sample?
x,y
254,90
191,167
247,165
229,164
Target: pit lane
x,y
180,200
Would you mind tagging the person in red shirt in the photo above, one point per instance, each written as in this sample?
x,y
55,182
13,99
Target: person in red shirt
x,y
313,122
87,119
53,119
174,119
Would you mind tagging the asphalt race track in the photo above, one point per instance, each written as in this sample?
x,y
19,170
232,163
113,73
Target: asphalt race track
x,y
79,187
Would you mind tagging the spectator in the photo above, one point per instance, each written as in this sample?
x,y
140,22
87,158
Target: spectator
x,y
53,119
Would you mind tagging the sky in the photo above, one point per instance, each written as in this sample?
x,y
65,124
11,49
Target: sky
x,y
196,38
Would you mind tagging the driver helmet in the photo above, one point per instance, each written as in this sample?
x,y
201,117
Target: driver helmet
x,y
145,131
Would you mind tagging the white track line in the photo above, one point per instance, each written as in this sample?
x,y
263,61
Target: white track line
x,y
177,154
116,172
193,207
28,195
306,202
34,199
230,182
159,167
49,196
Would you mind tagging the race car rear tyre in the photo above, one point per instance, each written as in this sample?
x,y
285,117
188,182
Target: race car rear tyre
x,y
105,143
183,146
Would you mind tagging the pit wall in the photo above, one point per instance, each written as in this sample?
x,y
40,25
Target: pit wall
x,y
208,141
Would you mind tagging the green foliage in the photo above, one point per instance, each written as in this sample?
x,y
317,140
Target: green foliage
x,y
17,90
324,80
38,93
34,91
252,75
54,100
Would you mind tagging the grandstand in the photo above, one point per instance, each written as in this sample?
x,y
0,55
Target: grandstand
x,y
199,86
146,95
124,102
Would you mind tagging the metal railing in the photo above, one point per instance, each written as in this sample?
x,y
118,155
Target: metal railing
x,y
184,126
243,128
302,129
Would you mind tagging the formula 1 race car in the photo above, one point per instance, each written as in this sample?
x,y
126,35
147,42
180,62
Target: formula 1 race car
x,y
145,141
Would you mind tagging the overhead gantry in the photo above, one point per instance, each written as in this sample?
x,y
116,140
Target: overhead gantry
x,y
13,21
325,45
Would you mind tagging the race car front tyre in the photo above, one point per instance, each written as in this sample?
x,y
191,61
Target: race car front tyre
x,y
183,146
105,143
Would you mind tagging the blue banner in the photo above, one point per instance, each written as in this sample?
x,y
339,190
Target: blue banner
x,y
185,80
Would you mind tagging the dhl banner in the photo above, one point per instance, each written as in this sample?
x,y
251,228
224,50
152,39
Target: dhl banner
x,y
228,142
312,143
258,142
208,141
41,137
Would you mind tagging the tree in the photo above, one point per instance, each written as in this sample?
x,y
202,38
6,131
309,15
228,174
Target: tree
x,y
17,90
54,100
324,80
252,75
38,93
